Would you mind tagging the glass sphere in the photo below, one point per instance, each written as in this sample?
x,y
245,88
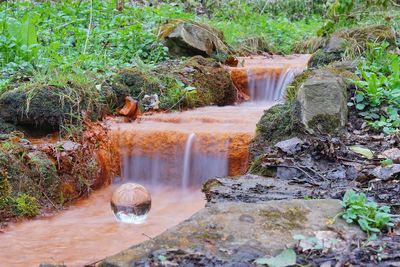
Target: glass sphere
x,y
131,203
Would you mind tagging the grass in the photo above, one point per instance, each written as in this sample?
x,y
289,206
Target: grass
x,y
280,33
96,37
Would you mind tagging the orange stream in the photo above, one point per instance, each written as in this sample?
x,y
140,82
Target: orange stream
x,y
88,232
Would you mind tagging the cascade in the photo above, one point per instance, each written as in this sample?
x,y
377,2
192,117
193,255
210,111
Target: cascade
x,y
171,154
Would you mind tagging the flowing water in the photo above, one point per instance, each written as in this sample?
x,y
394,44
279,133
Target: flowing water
x,y
172,155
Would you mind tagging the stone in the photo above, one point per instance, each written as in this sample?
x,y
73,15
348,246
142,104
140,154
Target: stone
x,y
70,146
290,146
387,172
151,102
393,154
239,233
46,107
252,189
191,39
130,108
322,100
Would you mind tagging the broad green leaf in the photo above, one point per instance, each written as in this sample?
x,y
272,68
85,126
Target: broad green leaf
x,y
28,32
285,258
360,106
365,152
14,28
359,98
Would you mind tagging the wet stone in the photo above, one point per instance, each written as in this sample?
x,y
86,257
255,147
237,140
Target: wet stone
x,y
392,154
290,146
246,218
232,242
387,173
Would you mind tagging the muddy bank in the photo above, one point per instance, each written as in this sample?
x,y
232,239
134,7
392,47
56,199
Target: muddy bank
x,y
46,174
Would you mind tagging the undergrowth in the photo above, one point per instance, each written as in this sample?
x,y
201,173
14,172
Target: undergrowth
x,y
378,93
367,214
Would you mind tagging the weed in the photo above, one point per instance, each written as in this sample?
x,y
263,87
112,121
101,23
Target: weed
x,y
26,205
367,214
378,93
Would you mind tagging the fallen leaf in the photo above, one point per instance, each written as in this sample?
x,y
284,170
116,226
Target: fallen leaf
x,y
365,152
285,258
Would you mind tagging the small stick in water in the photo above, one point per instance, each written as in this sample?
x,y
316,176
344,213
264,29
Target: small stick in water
x,y
147,236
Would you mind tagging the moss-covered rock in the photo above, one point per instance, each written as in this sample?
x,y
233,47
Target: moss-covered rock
x,y
213,82
134,83
28,179
322,100
278,123
6,128
195,82
348,44
322,58
46,107
293,88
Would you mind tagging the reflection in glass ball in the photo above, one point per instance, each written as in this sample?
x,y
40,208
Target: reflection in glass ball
x,y
131,203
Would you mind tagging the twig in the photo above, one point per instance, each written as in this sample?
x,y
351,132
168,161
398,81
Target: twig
x,y
177,102
300,169
350,160
147,236
310,169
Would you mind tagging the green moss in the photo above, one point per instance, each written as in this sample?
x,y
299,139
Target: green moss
x,y
289,218
28,180
278,123
321,58
257,168
325,123
347,75
293,88
208,236
310,45
5,196
211,183
133,82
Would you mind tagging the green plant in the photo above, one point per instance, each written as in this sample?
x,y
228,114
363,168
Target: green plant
x,y
26,205
358,209
378,93
345,13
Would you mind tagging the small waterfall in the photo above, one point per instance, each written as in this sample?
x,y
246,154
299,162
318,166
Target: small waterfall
x,y
186,160
184,163
268,84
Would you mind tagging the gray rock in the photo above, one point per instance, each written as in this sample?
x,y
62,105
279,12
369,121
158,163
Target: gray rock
x,y
252,189
323,102
151,102
393,154
335,44
350,65
70,146
290,146
242,232
191,39
387,173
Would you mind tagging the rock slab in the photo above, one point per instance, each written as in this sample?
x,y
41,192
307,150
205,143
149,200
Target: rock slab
x,y
238,233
